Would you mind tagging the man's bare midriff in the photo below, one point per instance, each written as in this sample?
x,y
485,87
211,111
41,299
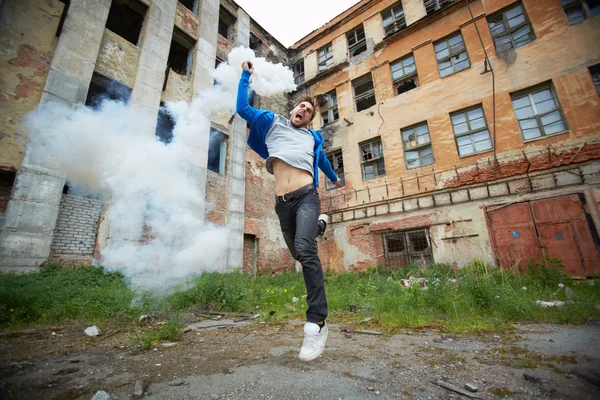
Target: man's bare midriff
x,y
288,178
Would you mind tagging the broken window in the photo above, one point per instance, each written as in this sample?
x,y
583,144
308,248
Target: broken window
x,y
191,5
417,146
325,55
125,18
337,163
538,112
471,131
371,154
226,23
181,54
298,70
364,92
217,151
329,111
579,10
357,43
393,19
510,28
102,88
451,54
254,41
404,74
595,72
408,247
164,125
434,5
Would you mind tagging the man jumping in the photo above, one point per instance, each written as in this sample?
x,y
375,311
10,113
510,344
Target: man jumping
x,y
293,153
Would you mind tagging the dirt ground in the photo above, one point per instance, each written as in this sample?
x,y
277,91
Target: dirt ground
x,y
254,360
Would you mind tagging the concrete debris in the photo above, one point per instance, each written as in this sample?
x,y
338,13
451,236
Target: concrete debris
x,y
377,392
168,344
531,378
456,389
101,395
92,331
471,388
370,388
547,304
412,281
139,388
367,332
209,324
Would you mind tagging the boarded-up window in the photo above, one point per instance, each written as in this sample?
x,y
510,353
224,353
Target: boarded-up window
x,y
451,54
471,131
510,28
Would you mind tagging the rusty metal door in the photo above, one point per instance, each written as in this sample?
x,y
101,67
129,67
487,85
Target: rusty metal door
x,y
566,234
514,236
556,227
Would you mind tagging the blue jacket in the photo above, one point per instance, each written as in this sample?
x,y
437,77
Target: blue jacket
x,y
260,122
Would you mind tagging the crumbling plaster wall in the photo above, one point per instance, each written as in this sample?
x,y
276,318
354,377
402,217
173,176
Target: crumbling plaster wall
x,y
117,59
27,44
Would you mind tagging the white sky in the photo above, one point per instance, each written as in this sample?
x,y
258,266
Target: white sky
x,y
290,20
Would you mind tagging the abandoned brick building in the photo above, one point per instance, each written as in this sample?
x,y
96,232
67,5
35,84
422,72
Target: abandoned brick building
x,y
462,129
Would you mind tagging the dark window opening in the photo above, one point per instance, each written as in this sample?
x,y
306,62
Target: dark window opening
x,y
409,247
125,18
226,24
103,88
337,163
595,72
357,43
578,11
217,151
165,124
298,70
65,189
364,92
181,55
254,42
371,154
191,5
63,16
7,181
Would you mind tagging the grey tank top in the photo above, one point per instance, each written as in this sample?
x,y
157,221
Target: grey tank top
x,y
295,146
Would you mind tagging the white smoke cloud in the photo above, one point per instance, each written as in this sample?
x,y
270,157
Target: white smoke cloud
x,y
113,151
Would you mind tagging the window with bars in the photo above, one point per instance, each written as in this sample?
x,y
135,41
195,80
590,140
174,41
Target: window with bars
x,y
329,111
371,155
510,28
393,19
364,92
538,112
471,131
595,72
357,43
325,56
434,5
298,70
451,54
579,10
337,163
404,74
417,146
408,247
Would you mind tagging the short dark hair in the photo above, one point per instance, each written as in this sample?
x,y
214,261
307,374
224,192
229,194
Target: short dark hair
x,y
312,101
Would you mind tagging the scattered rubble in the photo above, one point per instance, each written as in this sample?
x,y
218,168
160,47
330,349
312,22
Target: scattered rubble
x,y
547,304
101,395
471,387
92,331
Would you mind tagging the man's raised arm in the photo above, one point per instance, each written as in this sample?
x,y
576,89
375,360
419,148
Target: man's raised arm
x,y
242,107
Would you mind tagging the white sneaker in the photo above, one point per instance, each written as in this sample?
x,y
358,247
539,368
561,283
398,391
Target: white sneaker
x,y
314,341
323,219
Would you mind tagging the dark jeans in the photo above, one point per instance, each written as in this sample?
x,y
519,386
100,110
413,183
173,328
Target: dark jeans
x,y
298,218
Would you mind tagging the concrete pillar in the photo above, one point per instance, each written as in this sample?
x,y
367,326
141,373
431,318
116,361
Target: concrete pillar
x,y
33,209
145,96
237,167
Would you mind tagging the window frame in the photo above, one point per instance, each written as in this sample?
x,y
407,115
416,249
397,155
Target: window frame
x,y
359,81
359,42
331,109
405,77
374,160
339,171
508,31
408,254
595,74
398,22
451,55
224,138
298,77
471,132
230,26
529,92
583,5
417,147
328,57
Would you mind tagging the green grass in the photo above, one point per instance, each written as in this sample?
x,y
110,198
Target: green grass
x,y
475,298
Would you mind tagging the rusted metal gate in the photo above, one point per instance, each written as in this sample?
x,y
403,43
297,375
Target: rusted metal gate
x,y
557,227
